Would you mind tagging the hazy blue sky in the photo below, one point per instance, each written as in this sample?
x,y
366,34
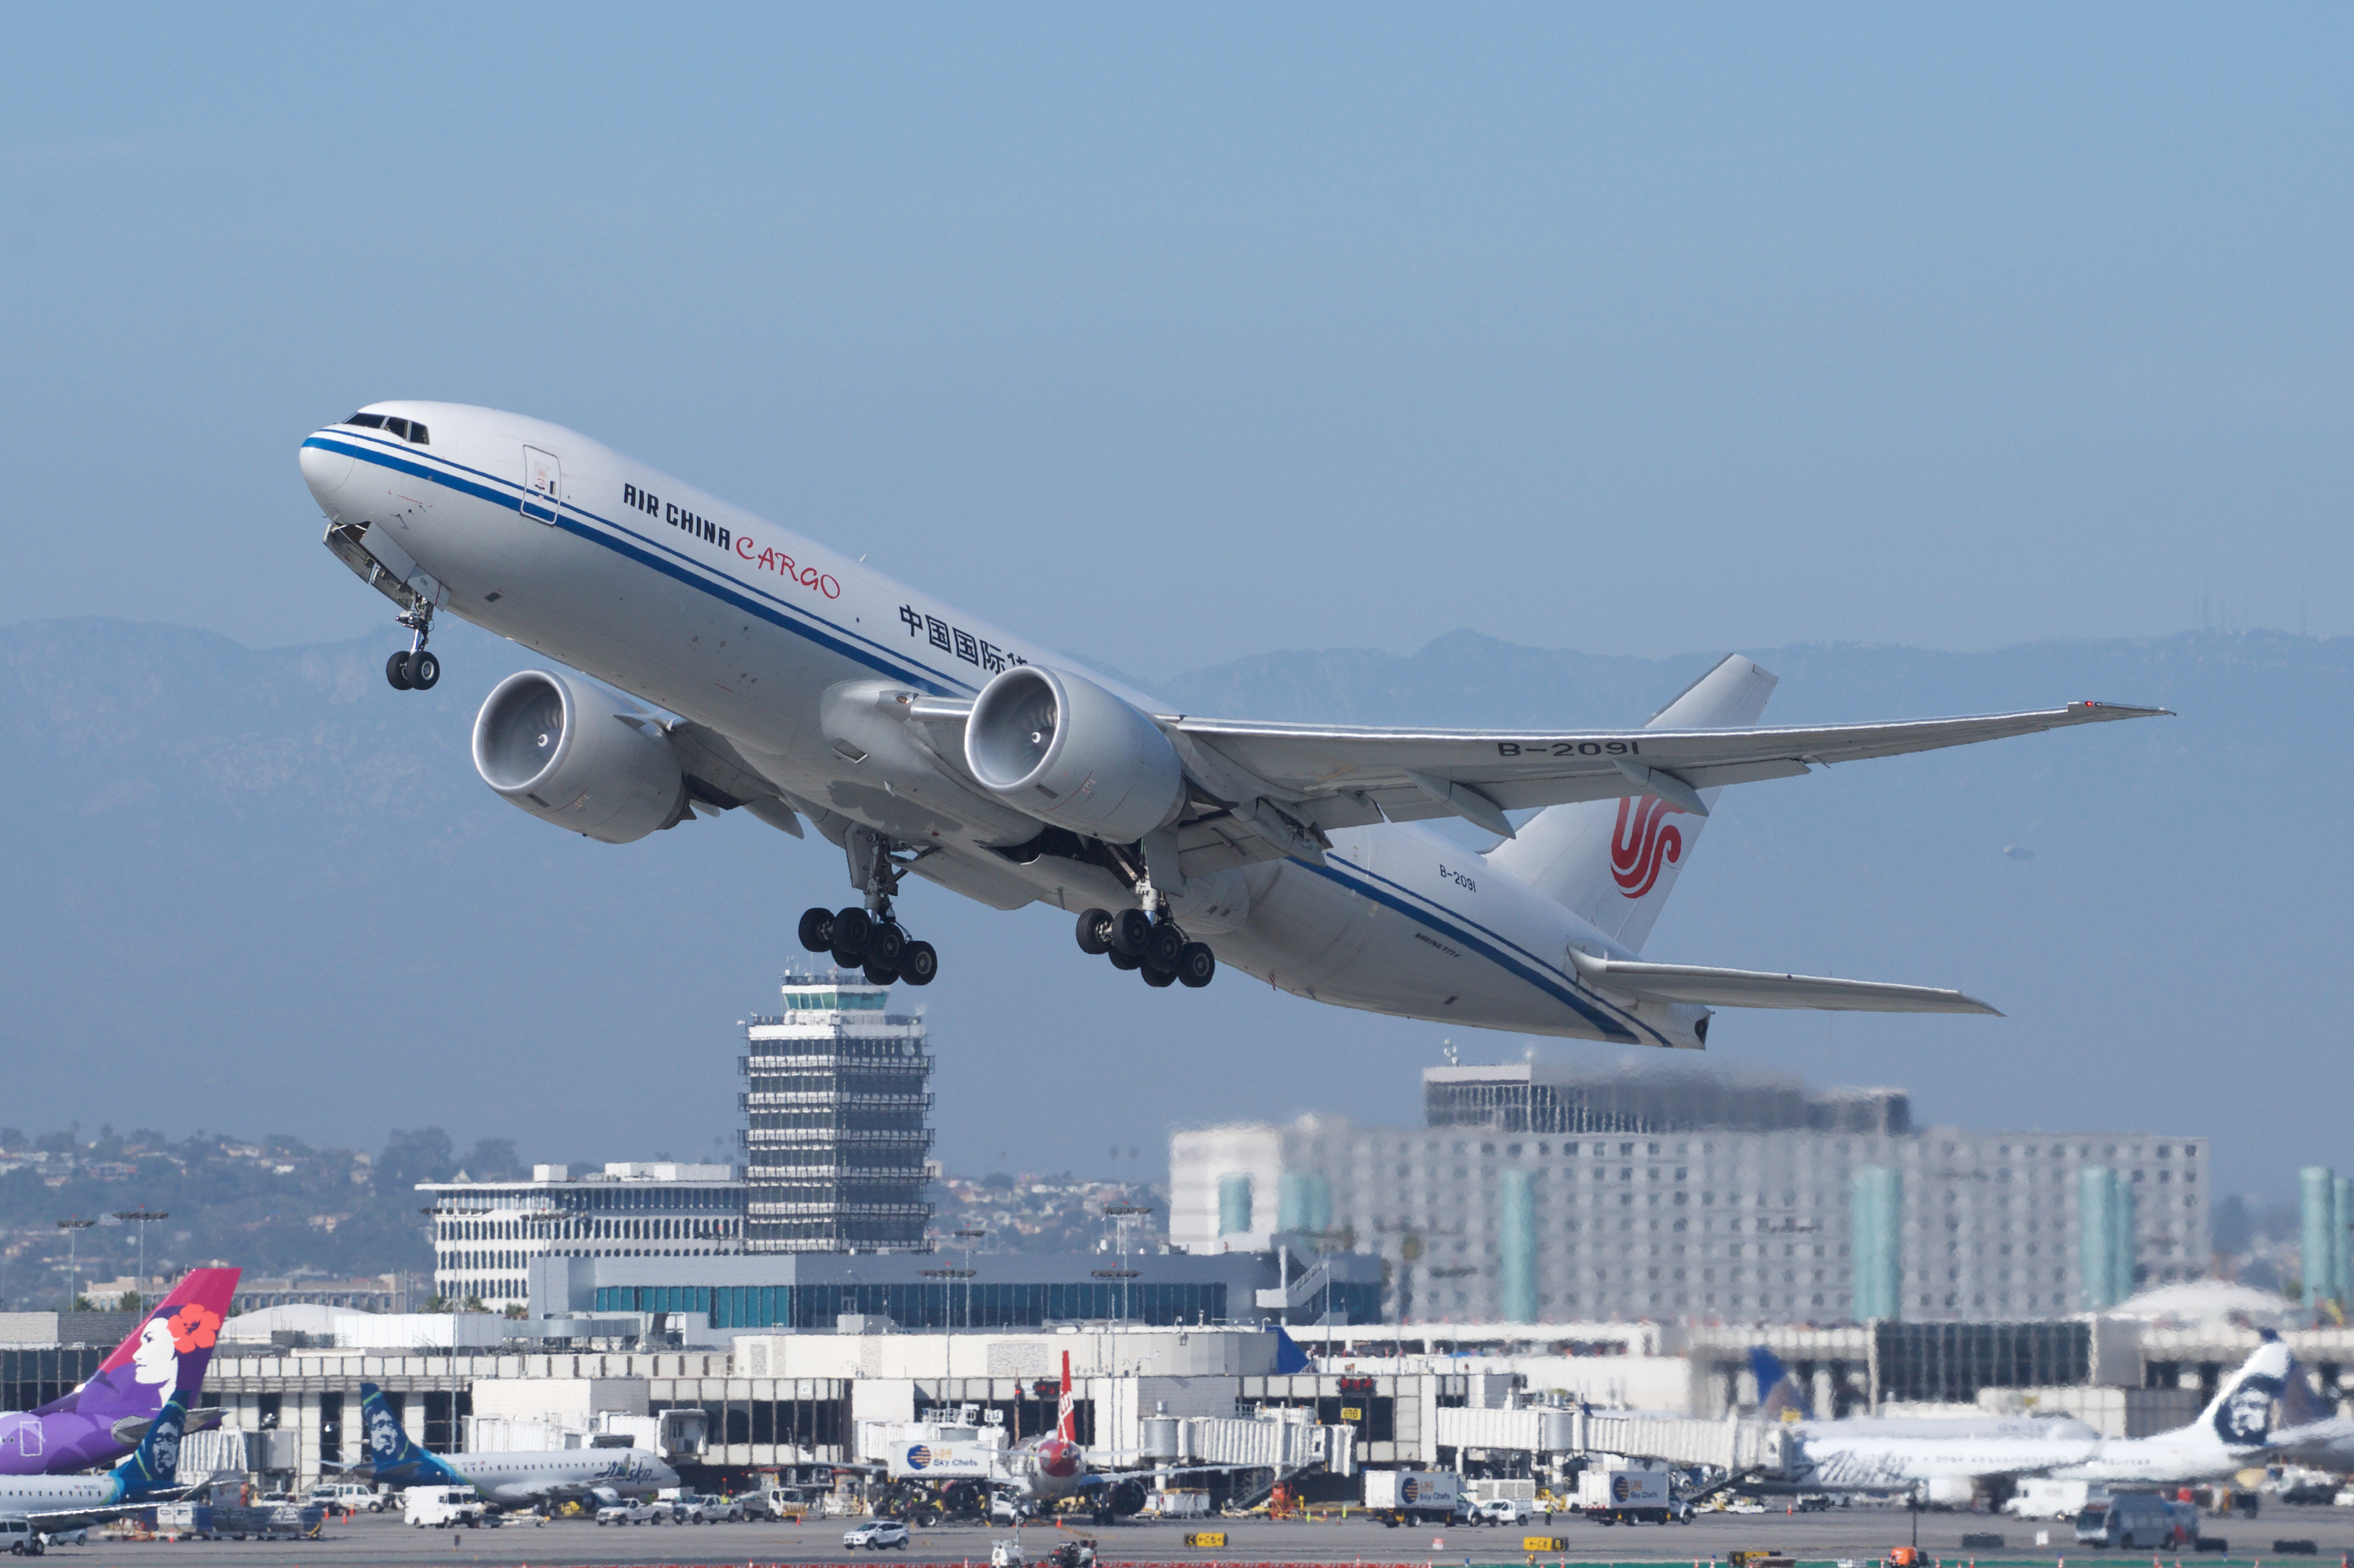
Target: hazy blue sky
x,y
1174,333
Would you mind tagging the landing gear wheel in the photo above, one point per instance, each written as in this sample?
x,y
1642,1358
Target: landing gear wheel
x,y
919,963
1156,979
885,946
852,929
395,670
1162,947
1130,930
1196,965
817,930
881,974
1095,932
424,669
1120,960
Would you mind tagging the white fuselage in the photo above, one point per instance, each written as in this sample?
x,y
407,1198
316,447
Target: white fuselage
x,y
1878,1455
23,1495
655,586
519,1479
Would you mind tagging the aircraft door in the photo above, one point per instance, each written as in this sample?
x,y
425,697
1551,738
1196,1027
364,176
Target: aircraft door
x,y
542,484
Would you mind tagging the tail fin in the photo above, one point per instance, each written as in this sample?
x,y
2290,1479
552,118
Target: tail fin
x,y
392,1457
1067,1415
154,1464
166,1354
1778,1396
2240,1415
1614,862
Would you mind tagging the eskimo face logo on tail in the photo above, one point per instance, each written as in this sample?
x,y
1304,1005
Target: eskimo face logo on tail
x,y
1644,844
2247,1415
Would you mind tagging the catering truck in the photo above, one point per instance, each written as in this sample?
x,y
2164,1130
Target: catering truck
x,y
1414,1497
1607,1494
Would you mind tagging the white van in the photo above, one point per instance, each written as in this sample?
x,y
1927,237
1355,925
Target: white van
x,y
2135,1521
443,1507
349,1496
18,1538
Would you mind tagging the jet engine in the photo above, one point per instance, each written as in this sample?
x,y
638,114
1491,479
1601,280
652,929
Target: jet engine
x,y
1067,752
569,754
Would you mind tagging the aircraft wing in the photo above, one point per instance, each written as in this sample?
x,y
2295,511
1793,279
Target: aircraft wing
x,y
1481,774
1279,788
1754,988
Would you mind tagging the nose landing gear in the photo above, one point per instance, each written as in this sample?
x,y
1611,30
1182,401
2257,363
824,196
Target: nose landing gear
x,y
415,669
1157,948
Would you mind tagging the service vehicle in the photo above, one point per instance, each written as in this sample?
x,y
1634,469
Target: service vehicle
x,y
2041,1497
19,1539
877,1535
1608,1494
2137,1520
1504,1510
443,1507
706,1507
1415,1497
348,1496
633,1511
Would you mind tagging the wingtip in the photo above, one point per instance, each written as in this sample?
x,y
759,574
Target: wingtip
x,y
1977,1006
2092,707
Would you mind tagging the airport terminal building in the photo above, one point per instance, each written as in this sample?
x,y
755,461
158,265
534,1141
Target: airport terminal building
x,y
1537,1193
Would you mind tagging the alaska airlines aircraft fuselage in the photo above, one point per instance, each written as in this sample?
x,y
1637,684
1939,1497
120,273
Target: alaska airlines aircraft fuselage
x,y
655,586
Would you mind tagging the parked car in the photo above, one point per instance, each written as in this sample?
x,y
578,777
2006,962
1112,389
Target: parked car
x,y
348,1496
877,1535
18,1538
633,1511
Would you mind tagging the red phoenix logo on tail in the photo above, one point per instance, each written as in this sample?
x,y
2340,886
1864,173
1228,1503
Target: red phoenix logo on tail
x,y
1644,844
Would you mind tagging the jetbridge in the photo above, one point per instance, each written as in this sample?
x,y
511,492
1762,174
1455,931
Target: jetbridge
x,y
1746,1447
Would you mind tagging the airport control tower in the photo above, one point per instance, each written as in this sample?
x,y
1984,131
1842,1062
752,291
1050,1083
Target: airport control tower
x,y
837,1105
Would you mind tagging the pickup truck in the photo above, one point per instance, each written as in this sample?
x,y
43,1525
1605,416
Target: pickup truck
x,y
705,1508
633,1511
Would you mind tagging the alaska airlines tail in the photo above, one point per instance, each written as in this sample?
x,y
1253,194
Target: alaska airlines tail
x,y
1779,1397
392,1457
1067,1415
166,1354
2240,1415
1614,862
154,1464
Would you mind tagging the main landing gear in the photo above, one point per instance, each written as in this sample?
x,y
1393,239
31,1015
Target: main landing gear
x,y
1155,949
877,944
415,669
870,937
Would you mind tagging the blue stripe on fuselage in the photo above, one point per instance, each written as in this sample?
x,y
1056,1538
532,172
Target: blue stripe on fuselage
x,y
1487,943
649,553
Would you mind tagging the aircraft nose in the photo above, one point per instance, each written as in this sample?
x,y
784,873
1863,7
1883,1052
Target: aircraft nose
x,y
324,470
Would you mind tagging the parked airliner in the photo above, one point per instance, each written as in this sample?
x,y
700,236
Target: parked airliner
x,y
507,1479
1948,1458
787,678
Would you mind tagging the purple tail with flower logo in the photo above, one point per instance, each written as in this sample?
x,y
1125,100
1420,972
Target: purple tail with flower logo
x,y
106,1416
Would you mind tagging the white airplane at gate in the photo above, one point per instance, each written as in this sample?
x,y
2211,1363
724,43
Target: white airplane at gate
x,y
798,683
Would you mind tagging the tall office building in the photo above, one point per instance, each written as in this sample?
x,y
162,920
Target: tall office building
x,y
836,1105
1561,1193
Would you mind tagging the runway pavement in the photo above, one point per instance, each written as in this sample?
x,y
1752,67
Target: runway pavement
x,y
1863,1535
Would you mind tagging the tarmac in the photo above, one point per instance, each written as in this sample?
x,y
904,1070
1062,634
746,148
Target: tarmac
x,y
1860,1535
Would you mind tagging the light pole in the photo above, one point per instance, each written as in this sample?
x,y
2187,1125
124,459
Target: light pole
x,y
1119,1214
143,1216
969,1235
73,1229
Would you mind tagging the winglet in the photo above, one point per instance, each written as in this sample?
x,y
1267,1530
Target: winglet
x,y
2092,709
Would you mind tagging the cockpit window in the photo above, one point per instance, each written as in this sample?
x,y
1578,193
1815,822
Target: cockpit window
x,y
417,434
398,428
372,422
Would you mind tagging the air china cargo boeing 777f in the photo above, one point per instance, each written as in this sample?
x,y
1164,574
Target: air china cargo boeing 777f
x,y
787,679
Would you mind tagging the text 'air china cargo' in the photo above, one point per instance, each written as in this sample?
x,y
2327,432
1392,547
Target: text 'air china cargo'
x,y
785,678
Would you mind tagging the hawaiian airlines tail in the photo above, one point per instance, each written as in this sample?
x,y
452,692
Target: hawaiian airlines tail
x,y
1067,1415
1779,1397
166,1353
1614,862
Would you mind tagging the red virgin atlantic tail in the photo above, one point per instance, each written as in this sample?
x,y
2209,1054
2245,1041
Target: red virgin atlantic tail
x,y
1066,1415
1614,862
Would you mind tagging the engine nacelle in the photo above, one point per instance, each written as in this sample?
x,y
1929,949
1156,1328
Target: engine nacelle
x,y
566,753
1067,752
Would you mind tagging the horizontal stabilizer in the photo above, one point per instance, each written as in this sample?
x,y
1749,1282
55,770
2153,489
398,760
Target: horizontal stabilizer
x,y
1756,988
